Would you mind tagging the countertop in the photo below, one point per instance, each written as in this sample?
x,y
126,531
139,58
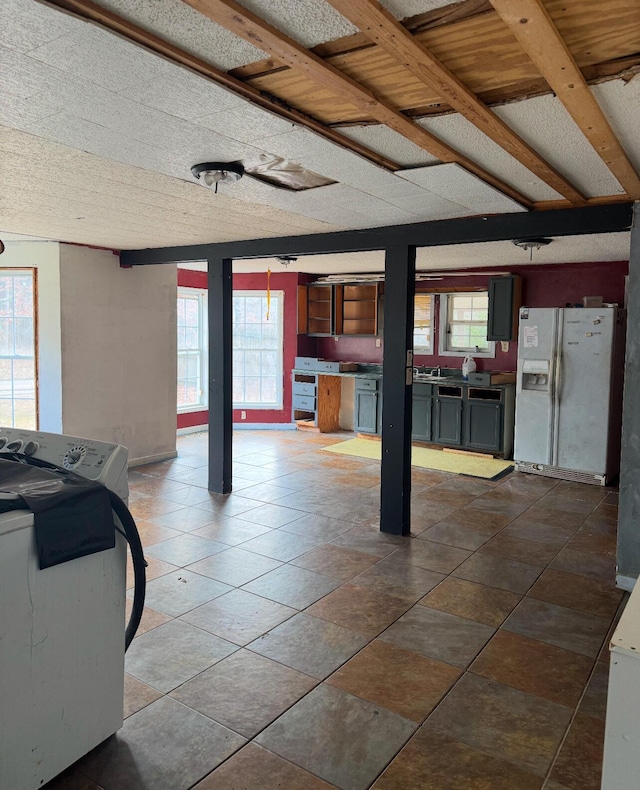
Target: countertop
x,y
375,372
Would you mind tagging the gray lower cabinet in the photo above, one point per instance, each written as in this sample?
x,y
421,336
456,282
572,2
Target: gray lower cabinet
x,y
483,425
456,415
447,418
368,406
421,413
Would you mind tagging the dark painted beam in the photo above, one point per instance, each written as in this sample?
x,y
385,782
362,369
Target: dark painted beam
x,y
628,559
220,293
397,378
499,227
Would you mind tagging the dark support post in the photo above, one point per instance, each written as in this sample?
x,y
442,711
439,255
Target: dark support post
x,y
220,295
397,379
628,560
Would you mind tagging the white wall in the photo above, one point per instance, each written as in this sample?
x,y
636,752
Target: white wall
x,y
44,256
118,351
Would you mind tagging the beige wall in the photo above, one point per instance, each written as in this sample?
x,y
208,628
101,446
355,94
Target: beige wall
x,y
118,351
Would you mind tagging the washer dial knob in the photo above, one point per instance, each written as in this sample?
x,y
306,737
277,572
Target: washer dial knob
x,y
73,457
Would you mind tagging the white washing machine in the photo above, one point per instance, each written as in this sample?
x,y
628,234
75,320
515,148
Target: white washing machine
x,y
61,629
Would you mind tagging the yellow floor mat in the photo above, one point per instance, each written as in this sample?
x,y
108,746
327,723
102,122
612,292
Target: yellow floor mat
x,y
489,468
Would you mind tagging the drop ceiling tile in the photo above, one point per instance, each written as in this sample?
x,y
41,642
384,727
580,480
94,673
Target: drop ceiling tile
x,y
429,206
25,25
620,101
543,122
101,58
462,135
15,110
122,206
386,142
454,183
247,123
184,95
24,77
310,22
185,27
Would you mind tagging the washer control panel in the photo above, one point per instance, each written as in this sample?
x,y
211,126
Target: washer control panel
x,y
93,459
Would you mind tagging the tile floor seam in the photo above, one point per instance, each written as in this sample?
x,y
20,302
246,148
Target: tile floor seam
x,y
547,778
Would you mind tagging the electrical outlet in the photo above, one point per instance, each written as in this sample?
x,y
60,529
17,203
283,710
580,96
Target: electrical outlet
x,y
378,342
243,415
336,338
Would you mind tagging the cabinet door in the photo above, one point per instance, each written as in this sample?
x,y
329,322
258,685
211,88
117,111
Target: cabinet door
x,y
448,421
505,297
421,418
366,417
483,426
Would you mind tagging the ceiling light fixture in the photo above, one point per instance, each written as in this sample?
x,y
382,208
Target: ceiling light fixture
x,y
531,244
213,173
285,260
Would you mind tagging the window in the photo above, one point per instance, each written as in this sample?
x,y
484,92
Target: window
x,y
192,349
257,350
17,349
463,324
423,323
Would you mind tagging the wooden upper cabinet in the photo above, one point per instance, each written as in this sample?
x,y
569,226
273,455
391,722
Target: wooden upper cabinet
x,y
359,310
325,310
505,300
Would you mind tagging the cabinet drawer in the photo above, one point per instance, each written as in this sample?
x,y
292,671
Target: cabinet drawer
x,y
306,362
301,388
449,391
331,367
304,402
367,384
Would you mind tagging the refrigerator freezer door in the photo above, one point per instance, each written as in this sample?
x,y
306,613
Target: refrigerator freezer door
x,y
535,385
583,389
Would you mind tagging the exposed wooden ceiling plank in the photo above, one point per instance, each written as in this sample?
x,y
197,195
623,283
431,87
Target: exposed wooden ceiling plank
x,y
430,20
269,39
480,50
90,10
379,25
533,27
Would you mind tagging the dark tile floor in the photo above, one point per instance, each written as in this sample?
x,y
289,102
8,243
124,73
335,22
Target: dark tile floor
x,y
288,644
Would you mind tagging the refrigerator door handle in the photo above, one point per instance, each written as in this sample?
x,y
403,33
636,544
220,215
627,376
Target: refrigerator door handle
x,y
557,389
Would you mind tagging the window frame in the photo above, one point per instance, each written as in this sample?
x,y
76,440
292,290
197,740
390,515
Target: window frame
x,y
279,404
202,351
430,348
443,334
21,271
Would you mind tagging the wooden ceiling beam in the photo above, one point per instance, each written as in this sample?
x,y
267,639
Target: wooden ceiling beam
x,y
87,9
276,44
533,27
382,27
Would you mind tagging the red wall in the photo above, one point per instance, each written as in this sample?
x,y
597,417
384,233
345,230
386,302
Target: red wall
x,y
549,285
294,344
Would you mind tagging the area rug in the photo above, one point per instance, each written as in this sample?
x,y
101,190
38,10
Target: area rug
x,y
474,466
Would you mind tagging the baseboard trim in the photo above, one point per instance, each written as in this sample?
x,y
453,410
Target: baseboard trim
x,y
193,429
152,459
264,426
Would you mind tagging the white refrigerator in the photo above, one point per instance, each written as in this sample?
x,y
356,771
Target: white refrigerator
x,y
569,392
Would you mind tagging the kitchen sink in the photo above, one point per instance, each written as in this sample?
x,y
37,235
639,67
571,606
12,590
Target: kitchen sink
x,y
428,378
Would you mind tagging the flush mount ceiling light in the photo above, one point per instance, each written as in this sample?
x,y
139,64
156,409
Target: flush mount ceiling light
x,y
213,173
285,260
531,244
